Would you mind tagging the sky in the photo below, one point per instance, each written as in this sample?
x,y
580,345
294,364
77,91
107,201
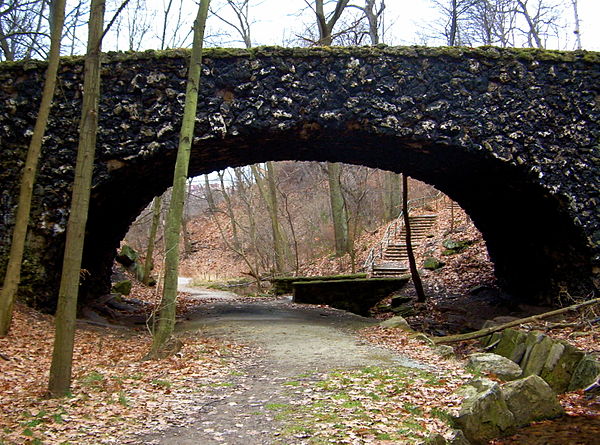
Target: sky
x,y
408,22
280,22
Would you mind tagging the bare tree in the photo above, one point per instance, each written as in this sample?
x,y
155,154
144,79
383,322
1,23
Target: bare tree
x,y
23,29
60,371
166,318
577,30
13,268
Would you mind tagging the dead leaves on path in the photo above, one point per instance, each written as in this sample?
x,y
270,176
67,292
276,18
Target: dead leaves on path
x,y
114,395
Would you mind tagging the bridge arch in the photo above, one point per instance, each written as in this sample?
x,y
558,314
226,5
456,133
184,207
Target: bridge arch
x,y
510,135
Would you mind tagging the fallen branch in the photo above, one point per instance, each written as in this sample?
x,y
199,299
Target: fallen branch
x,y
492,329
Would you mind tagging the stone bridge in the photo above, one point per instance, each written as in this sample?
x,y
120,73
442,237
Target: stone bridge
x,y
511,135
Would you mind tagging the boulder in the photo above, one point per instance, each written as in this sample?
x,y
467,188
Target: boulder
x,y
530,399
399,300
585,373
122,287
397,322
560,365
484,413
537,348
432,263
404,310
511,345
495,364
457,437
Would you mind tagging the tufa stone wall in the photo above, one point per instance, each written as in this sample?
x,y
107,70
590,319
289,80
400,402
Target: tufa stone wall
x,y
512,135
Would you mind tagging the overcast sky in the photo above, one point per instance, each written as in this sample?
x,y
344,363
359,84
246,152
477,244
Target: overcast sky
x,y
408,22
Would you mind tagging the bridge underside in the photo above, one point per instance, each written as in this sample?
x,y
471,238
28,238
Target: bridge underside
x,y
532,241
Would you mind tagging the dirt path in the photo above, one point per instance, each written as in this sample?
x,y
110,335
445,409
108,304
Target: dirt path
x,y
294,343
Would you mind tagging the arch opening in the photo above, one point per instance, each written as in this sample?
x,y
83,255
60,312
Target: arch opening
x,y
533,242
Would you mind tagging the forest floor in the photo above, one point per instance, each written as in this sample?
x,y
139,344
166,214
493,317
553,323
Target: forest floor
x,y
252,371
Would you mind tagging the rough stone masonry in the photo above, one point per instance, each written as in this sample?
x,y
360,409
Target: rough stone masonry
x,y
512,135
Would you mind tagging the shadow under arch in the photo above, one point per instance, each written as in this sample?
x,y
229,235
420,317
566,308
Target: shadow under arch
x,y
533,241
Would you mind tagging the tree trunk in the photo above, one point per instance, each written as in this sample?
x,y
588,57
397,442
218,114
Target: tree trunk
x,y
17,246
156,207
577,30
166,318
229,209
391,195
409,249
60,370
453,24
268,191
339,213
187,242
212,208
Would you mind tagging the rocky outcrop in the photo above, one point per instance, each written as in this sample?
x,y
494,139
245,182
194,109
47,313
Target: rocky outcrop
x,y
490,410
561,365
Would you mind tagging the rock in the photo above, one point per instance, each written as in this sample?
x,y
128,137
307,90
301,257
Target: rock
x,y
444,351
495,364
484,413
423,338
453,247
399,300
560,365
530,399
537,348
396,322
511,345
585,373
122,287
127,256
404,310
432,263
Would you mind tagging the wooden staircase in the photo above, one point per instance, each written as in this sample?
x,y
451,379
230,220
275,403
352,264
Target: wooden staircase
x,y
393,258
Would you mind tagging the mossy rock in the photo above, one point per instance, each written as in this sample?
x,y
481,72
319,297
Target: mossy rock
x,y
453,247
122,287
511,345
586,373
535,358
560,365
432,263
127,256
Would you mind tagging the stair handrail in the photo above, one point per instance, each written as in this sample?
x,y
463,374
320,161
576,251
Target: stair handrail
x,y
396,223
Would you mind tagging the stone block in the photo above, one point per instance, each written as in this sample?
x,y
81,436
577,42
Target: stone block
x,y
586,372
560,366
495,364
537,348
511,345
530,399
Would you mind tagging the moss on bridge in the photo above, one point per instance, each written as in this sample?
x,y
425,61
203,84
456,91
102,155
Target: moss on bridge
x,y
455,52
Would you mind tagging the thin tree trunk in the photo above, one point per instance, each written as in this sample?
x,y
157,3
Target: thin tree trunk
x,y
17,246
187,242
339,213
409,249
156,207
268,192
577,30
229,209
62,357
209,196
166,319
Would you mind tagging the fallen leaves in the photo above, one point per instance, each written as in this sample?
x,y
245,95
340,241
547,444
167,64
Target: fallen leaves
x,y
114,394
